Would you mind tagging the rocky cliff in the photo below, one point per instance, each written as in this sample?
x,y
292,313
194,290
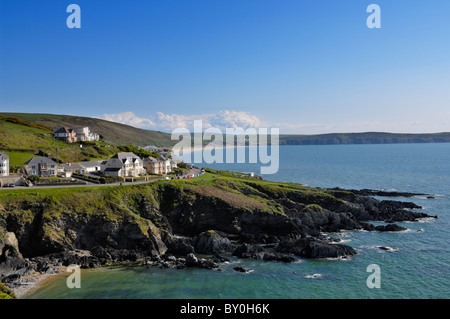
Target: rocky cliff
x,y
170,222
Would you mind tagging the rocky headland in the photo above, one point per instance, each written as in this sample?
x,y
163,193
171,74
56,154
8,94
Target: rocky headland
x,y
184,223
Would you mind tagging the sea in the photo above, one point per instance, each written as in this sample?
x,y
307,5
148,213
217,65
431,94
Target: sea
x,y
416,264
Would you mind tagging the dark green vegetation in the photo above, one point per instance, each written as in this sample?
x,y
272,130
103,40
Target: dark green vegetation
x,y
6,293
111,132
139,152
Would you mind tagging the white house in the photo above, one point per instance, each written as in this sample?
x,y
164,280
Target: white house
x,y
4,164
91,166
84,134
159,165
125,164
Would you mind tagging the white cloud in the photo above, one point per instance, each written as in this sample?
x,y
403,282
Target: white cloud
x,y
128,118
168,122
234,119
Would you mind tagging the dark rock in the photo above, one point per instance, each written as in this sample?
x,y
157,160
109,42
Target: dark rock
x,y
210,242
249,251
372,192
405,215
10,265
12,279
278,257
170,258
390,227
208,264
191,260
155,258
239,269
219,259
179,246
312,248
386,248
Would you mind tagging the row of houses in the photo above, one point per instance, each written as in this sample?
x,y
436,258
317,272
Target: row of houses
x,y
70,135
123,164
127,164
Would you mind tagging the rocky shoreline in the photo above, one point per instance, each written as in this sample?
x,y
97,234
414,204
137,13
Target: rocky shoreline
x,y
171,228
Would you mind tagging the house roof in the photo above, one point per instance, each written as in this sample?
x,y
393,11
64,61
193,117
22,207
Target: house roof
x,y
89,164
71,167
124,156
150,160
155,160
60,130
4,155
64,130
40,160
162,158
151,148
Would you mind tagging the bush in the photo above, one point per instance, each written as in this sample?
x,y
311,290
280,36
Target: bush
x,y
139,152
183,165
34,178
6,293
110,179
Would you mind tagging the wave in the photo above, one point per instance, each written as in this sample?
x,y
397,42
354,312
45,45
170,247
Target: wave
x,y
385,248
426,220
315,276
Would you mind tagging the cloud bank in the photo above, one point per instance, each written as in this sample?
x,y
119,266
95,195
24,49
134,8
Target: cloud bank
x,y
233,119
168,122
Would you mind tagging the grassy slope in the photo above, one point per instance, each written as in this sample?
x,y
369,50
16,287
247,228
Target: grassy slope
x,y
235,189
112,132
219,200
22,142
117,133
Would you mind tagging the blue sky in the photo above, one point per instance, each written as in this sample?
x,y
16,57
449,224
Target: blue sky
x,y
303,66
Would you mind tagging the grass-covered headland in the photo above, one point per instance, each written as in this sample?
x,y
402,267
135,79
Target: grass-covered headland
x,y
168,222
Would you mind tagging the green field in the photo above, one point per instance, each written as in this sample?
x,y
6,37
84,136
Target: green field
x,y
22,142
112,132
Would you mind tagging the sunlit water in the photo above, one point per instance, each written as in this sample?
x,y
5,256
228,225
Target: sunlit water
x,y
417,267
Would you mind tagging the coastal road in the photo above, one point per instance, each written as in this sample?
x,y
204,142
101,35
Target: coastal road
x,y
192,171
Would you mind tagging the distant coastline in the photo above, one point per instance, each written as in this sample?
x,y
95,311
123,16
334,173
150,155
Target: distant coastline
x,y
365,138
116,132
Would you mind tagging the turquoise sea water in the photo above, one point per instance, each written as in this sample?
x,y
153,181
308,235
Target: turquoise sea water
x,y
417,267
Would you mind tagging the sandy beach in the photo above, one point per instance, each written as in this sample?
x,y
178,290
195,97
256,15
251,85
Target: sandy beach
x,y
30,283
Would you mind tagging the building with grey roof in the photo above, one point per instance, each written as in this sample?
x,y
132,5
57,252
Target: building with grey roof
x,y
41,166
124,164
